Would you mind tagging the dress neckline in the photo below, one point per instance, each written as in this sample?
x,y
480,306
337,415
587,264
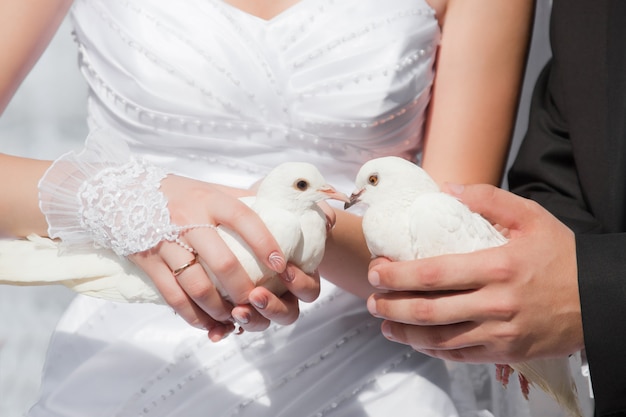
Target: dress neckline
x,y
286,12
276,17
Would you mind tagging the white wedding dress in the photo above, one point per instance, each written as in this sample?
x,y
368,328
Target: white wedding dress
x,y
211,92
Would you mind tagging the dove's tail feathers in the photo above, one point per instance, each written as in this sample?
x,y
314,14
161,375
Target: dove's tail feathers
x,y
554,376
36,261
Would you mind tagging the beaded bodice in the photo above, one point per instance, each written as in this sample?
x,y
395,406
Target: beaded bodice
x,y
324,81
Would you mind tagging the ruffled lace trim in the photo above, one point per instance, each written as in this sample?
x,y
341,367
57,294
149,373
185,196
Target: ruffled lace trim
x,y
104,197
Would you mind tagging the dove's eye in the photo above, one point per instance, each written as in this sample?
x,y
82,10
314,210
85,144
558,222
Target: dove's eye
x,y
302,185
373,179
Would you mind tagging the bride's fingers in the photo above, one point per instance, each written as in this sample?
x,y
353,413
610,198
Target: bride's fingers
x,y
249,319
221,263
220,331
282,310
265,305
304,287
194,281
240,218
173,294
465,342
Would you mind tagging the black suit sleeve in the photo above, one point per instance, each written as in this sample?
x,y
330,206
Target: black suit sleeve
x,y
601,262
545,170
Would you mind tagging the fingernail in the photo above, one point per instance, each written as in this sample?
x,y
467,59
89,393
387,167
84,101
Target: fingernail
x,y
259,303
374,278
386,330
241,318
288,275
277,262
220,332
330,225
371,306
456,189
215,338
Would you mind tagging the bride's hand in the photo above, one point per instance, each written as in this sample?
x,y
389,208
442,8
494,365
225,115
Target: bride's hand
x,y
191,293
266,307
282,309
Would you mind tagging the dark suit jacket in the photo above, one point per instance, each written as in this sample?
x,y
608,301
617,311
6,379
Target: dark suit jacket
x,y
573,162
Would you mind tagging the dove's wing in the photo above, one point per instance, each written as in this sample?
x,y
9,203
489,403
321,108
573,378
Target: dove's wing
x,y
282,224
102,274
554,377
441,224
387,232
285,227
311,242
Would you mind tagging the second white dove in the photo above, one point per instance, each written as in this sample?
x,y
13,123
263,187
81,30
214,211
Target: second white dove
x,y
408,217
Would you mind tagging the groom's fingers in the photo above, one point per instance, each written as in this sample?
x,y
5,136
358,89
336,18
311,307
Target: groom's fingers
x,y
456,272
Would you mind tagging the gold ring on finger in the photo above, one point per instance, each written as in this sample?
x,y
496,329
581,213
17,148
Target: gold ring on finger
x,y
182,268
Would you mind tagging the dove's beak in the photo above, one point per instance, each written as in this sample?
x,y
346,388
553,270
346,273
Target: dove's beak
x,y
354,198
330,193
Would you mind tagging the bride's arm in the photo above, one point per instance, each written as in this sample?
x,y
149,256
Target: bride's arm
x,y
480,67
26,28
19,202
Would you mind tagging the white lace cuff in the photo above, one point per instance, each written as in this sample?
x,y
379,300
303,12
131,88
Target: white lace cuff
x,y
105,197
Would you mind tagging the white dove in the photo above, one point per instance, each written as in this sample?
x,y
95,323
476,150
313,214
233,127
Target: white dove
x,y
407,217
286,201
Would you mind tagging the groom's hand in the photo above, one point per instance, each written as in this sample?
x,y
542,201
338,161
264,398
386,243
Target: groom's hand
x,y
503,304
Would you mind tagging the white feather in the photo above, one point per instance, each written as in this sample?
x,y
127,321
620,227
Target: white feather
x,y
100,273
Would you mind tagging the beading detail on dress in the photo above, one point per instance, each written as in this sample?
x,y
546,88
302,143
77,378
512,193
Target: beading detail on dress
x,y
251,342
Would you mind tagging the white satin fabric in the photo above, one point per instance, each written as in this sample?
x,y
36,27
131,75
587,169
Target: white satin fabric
x,y
211,92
